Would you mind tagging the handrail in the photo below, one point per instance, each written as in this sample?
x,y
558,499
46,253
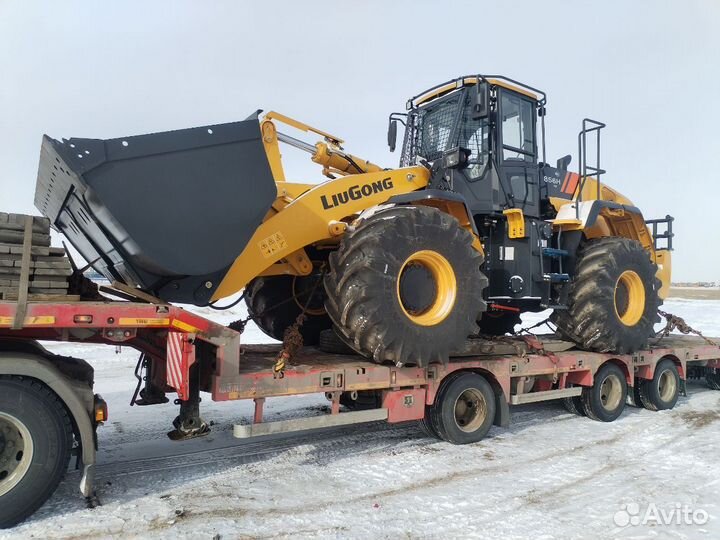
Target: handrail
x,y
582,154
668,234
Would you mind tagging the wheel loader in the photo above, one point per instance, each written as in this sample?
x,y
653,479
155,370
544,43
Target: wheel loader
x,y
403,265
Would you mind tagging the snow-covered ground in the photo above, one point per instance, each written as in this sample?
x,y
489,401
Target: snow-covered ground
x,y
550,475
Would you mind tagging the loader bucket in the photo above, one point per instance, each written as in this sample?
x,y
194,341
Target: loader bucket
x,y
167,212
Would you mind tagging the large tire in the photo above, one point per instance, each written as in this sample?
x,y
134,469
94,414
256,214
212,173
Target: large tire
x,y
464,409
406,286
498,323
574,405
331,342
35,442
613,300
662,391
275,302
605,400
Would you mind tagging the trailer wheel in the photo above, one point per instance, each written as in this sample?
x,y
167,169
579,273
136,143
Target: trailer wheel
x,y
276,301
712,377
662,391
406,286
613,300
426,426
574,405
636,401
605,400
464,409
35,442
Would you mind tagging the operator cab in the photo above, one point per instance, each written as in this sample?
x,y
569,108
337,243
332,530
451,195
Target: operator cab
x,y
485,135
478,137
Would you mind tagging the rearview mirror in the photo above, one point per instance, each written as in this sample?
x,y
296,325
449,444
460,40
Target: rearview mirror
x,y
480,101
392,134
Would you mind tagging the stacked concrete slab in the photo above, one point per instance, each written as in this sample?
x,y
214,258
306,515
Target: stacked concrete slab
x,y
49,267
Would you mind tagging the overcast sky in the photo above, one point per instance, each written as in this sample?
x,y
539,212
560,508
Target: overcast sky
x,y
649,69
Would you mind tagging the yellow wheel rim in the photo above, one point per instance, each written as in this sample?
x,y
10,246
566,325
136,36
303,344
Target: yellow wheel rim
x,y
440,301
629,298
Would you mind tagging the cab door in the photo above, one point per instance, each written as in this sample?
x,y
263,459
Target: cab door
x,y
518,148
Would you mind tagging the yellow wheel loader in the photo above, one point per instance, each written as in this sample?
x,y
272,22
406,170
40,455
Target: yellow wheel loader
x,y
473,228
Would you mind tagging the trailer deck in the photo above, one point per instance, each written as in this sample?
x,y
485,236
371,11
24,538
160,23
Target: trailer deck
x,y
186,354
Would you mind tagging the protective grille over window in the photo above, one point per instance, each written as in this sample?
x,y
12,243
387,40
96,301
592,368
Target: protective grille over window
x,y
437,126
429,131
407,159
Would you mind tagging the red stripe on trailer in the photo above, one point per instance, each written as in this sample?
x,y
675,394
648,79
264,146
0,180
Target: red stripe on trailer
x,y
180,355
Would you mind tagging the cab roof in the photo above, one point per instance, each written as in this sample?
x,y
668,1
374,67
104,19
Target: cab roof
x,y
471,80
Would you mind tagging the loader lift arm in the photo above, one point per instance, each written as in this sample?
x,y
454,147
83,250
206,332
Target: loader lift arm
x,y
328,153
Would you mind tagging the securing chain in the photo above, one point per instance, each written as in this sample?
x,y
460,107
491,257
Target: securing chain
x,y
673,322
545,322
292,338
240,324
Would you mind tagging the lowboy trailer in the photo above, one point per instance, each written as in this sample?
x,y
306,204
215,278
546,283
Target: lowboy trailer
x,y
48,408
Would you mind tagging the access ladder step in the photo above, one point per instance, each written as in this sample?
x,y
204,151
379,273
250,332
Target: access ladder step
x,y
557,278
554,252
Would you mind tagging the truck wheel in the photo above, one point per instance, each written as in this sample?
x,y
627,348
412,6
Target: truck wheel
x,y
613,299
605,400
663,390
35,442
276,301
464,409
498,323
406,286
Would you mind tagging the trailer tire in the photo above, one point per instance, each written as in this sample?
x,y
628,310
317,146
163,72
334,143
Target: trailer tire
x,y
613,299
605,400
636,401
426,426
662,391
275,302
432,412
406,286
464,410
712,378
29,409
574,405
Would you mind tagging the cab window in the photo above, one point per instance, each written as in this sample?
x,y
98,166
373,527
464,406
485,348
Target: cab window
x,y
518,131
474,135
